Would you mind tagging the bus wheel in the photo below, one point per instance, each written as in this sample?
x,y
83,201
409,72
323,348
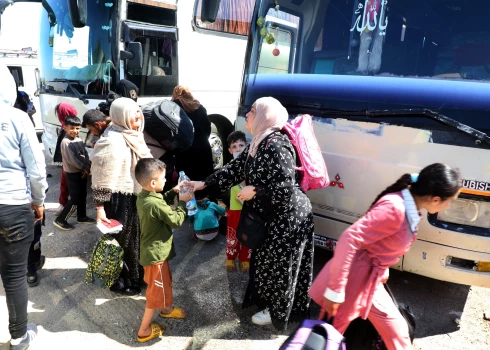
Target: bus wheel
x,y
220,129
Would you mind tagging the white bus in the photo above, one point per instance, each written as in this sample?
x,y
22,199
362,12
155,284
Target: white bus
x,y
86,47
23,66
393,86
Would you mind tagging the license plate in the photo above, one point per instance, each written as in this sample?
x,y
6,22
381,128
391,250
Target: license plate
x,y
325,242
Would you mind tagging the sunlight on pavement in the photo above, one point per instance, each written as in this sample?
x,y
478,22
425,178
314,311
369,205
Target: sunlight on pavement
x,y
64,263
102,301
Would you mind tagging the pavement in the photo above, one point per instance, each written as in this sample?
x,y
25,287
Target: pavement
x,y
70,313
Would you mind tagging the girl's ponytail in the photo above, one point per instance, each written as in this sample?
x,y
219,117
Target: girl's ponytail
x,y
402,183
434,180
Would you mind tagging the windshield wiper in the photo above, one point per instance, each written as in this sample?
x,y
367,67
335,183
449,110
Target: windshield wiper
x,y
77,94
390,113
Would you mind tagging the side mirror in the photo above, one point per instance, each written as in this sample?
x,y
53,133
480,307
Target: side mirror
x,y
78,12
134,55
209,10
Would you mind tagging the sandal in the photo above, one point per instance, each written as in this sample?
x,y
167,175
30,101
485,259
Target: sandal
x,y
177,312
230,265
244,266
156,331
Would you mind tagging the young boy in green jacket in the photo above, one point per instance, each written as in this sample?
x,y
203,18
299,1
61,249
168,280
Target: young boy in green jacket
x,y
156,243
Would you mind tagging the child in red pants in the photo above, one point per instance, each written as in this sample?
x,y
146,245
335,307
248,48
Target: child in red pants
x,y
236,144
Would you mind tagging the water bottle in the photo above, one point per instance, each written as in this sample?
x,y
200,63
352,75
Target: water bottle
x,y
191,205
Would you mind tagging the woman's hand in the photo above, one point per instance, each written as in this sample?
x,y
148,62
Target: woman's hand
x,y
329,309
101,215
198,185
247,193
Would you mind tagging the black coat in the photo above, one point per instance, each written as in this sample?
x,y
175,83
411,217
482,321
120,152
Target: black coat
x,y
197,160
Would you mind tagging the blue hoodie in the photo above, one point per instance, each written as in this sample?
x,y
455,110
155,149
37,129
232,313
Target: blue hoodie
x,y
206,217
22,165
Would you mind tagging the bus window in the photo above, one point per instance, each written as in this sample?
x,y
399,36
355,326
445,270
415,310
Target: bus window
x,y
234,17
159,74
278,38
430,40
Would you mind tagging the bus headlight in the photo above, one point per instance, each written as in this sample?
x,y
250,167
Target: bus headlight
x,y
469,212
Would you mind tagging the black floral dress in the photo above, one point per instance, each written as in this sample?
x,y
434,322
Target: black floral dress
x,y
281,269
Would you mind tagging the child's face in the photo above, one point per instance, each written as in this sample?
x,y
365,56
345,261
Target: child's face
x,y
237,147
158,183
72,130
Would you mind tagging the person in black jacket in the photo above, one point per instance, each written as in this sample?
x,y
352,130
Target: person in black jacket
x,y
197,160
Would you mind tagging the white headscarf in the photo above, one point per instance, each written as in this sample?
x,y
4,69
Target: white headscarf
x,y
8,89
270,116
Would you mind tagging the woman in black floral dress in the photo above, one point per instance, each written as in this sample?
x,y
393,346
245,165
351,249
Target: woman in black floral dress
x,y
281,269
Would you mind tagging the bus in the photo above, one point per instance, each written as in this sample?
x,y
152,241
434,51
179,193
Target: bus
x,y
392,86
86,47
24,66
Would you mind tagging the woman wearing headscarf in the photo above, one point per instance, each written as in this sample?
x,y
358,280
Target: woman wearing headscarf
x,y
281,268
125,88
197,160
115,188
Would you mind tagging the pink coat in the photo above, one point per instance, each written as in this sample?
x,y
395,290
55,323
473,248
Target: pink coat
x,y
363,255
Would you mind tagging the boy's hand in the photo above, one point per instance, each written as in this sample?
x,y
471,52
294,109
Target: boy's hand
x,y
186,197
85,173
38,211
176,189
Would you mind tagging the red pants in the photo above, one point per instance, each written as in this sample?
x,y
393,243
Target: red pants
x,y
64,194
385,317
233,246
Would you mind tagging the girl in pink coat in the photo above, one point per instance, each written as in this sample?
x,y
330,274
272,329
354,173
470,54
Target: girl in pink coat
x,y
350,284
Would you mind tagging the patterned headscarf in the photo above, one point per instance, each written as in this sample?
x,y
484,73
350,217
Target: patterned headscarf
x,y
184,95
125,88
270,116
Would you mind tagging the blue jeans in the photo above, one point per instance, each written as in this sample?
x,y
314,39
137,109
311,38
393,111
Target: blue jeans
x,y
16,235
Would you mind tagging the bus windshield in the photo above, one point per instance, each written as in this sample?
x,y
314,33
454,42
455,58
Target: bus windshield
x,y
373,55
77,54
432,39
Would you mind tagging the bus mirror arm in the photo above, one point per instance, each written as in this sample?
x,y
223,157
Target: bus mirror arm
x,y
134,55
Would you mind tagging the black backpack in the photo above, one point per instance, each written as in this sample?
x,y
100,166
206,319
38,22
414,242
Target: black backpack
x,y
167,123
361,334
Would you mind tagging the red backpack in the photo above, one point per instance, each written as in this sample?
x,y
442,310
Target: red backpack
x,y
312,169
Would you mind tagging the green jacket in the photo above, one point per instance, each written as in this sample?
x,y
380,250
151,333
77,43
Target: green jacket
x,y
156,221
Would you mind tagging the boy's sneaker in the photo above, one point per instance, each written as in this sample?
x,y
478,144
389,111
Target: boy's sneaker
x,y
24,342
86,220
63,225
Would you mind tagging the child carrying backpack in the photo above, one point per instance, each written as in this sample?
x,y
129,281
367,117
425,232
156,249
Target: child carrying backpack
x,y
205,221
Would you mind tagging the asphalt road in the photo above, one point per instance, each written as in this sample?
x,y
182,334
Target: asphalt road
x,y
72,314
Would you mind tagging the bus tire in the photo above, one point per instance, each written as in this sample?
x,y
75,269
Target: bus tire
x,y
221,127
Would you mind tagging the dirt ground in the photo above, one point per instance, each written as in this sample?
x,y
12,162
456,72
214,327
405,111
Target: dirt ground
x,y
72,314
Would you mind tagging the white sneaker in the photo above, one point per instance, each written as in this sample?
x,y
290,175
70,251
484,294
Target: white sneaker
x,y
262,318
24,342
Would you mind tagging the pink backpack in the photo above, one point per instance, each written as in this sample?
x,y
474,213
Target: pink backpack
x,y
313,171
